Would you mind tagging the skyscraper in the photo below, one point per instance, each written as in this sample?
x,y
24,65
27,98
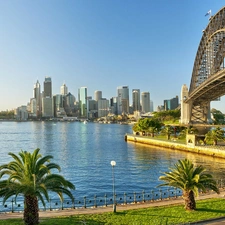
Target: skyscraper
x,y
82,98
136,100
98,95
63,89
47,87
37,97
47,100
123,99
145,100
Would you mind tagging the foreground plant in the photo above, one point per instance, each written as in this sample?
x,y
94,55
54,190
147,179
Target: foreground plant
x,y
190,180
29,175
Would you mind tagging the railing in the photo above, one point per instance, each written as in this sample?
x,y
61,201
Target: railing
x,y
96,200
101,201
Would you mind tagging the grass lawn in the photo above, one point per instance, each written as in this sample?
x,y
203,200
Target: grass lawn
x,y
168,215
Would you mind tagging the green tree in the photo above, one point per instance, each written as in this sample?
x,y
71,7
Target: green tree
x,y
215,135
218,116
29,175
190,180
167,130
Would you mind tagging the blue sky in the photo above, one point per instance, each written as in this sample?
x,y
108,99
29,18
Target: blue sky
x,y
100,44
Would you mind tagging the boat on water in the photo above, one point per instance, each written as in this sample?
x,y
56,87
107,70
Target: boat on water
x,y
85,122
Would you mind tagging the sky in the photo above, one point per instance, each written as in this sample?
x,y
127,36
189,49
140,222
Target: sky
x,y
100,44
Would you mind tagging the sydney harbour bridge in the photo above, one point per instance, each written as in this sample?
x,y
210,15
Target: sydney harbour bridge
x,y
208,75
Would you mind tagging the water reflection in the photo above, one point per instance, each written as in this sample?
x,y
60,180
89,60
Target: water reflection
x,y
84,153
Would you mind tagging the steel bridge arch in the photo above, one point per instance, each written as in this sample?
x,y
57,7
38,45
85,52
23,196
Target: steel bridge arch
x,y
208,75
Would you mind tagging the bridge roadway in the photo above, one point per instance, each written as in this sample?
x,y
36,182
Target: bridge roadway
x,y
77,211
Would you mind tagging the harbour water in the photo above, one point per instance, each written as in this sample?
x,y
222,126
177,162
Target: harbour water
x,y
84,152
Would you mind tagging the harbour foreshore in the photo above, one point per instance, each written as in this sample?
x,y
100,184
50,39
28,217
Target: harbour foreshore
x,y
214,151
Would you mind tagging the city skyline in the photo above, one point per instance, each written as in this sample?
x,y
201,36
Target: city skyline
x,y
149,45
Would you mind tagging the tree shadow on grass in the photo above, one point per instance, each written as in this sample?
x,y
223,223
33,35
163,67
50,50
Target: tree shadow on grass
x,y
70,221
210,210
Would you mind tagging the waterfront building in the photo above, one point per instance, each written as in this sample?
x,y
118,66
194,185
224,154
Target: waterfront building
x,y
82,98
98,95
69,105
33,108
103,107
123,100
145,100
37,96
21,113
93,108
59,106
47,100
113,105
136,100
47,107
47,87
63,89
171,103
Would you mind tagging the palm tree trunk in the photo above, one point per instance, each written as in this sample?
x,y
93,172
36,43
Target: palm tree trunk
x,y
189,200
31,215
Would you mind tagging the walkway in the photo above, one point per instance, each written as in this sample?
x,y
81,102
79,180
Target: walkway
x,y
69,212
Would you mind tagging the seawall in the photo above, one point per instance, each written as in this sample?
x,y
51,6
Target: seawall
x,y
214,151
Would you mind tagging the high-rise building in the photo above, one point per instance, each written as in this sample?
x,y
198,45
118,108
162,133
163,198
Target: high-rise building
x,y
82,98
113,105
63,89
145,100
103,107
136,100
47,87
47,100
123,100
171,104
47,107
58,105
37,97
69,104
151,106
98,95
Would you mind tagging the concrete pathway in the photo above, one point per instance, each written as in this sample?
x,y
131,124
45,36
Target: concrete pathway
x,y
69,212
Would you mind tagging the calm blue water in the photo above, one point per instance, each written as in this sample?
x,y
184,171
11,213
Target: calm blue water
x,y
84,152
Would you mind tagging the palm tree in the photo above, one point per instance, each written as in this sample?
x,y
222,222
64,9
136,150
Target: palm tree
x,y
215,135
29,175
190,180
167,130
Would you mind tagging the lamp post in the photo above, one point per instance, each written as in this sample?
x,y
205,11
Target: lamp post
x,y
113,163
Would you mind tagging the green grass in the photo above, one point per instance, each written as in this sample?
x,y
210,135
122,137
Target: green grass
x,y
169,215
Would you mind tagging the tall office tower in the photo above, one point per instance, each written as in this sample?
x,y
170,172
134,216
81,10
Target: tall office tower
x,y
47,87
47,100
136,100
69,104
113,105
145,100
123,100
171,103
47,107
82,98
37,96
63,89
98,95
151,106
58,106
103,107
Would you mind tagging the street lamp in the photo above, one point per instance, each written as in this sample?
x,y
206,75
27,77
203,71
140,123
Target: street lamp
x,y
113,163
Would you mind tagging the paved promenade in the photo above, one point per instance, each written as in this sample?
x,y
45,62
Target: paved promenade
x,y
69,212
